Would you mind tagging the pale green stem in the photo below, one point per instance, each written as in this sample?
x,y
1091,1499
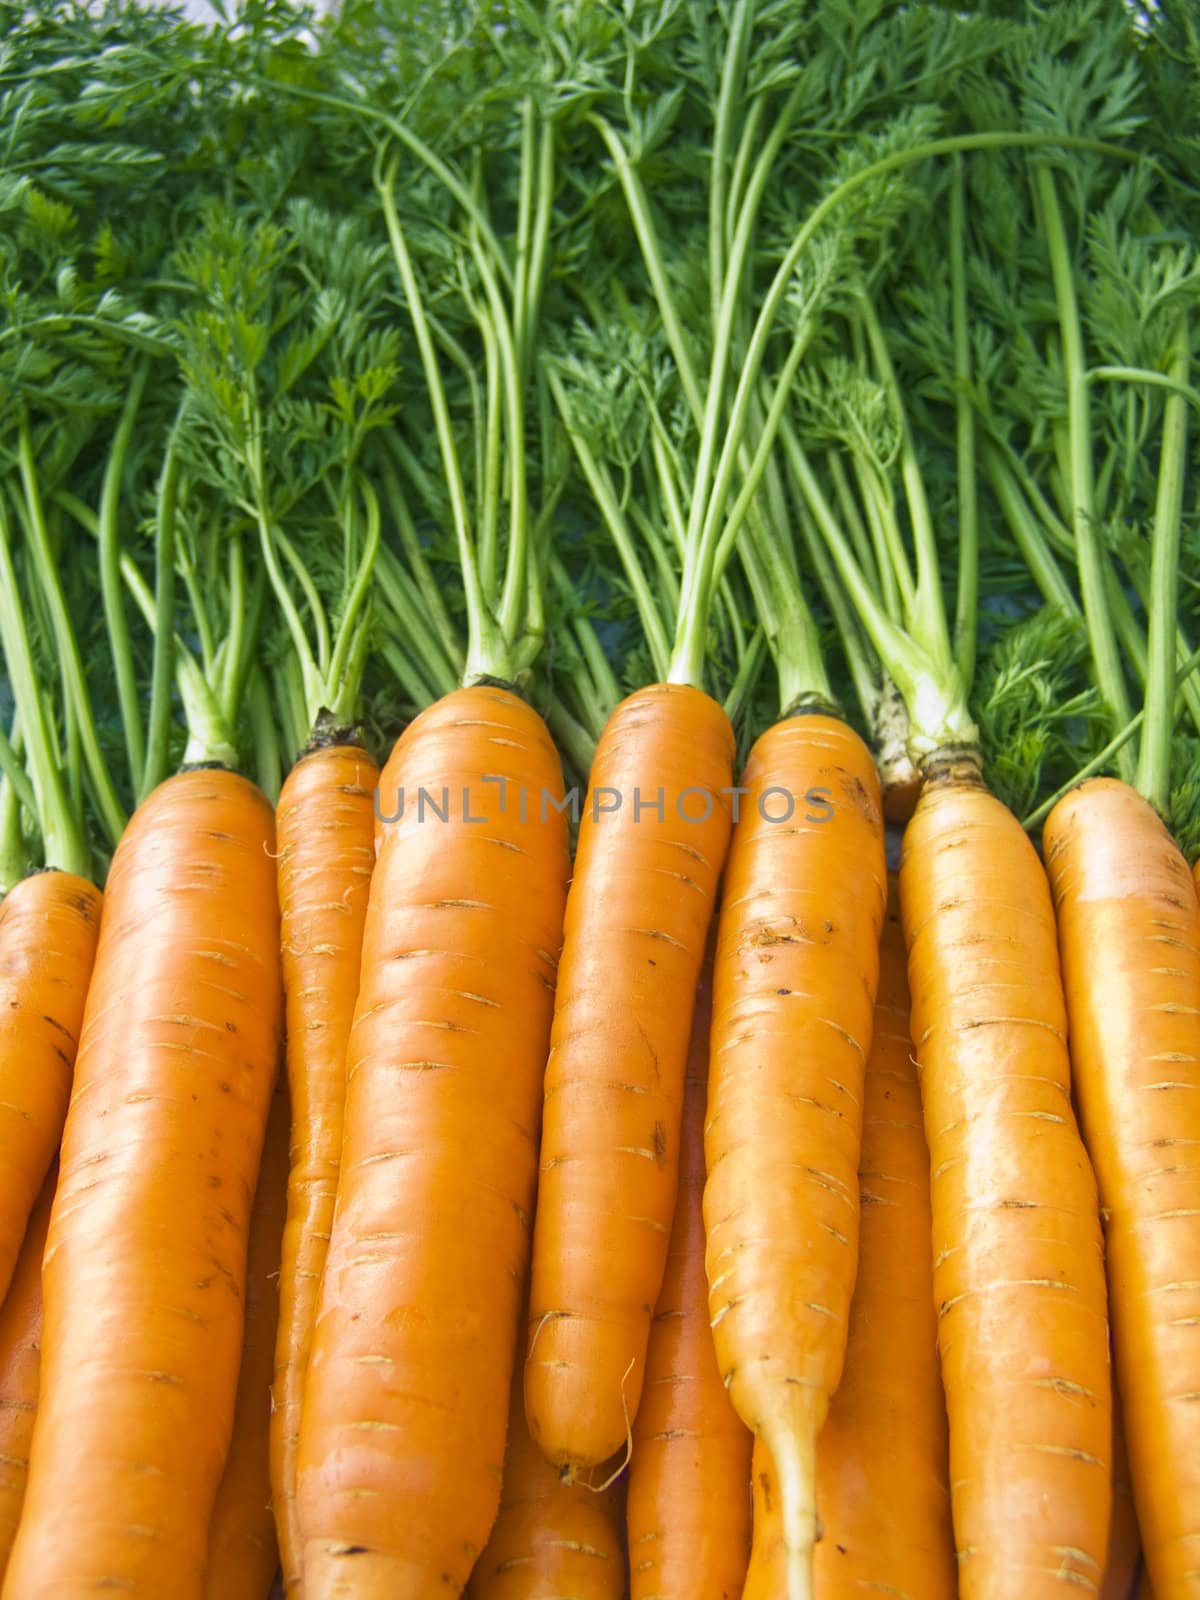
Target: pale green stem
x,y
1154,764
1089,554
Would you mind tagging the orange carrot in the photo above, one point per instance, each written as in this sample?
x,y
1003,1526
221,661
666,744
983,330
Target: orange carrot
x,y
1018,1265
1129,933
242,1553
326,847
552,1540
651,844
49,925
688,1515
20,1367
883,1494
145,1262
1124,1540
793,1005
406,1399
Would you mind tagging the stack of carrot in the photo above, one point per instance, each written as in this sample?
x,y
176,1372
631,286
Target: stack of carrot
x,y
599,793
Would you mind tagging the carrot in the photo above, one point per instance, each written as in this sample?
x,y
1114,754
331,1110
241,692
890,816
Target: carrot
x,y
325,832
637,916
1124,1540
145,1262
793,1001
883,1493
242,1552
766,1576
1129,933
1018,1266
553,1540
20,1367
688,1515
406,1399
49,925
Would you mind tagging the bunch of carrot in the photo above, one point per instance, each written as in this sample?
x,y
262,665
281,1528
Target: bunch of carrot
x,y
599,954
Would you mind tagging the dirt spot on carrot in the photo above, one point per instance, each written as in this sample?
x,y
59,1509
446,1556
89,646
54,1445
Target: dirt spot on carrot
x,y
764,1484
860,798
660,1143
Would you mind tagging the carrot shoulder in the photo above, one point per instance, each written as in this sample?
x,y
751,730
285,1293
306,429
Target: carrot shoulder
x,y
242,1553
793,1008
20,1367
49,925
406,1399
1018,1267
326,849
144,1271
688,1513
1129,931
651,845
883,1493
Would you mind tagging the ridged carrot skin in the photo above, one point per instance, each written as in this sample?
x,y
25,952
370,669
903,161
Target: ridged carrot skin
x,y
325,831
688,1513
1124,1540
1018,1266
243,1555
793,1008
1129,932
144,1272
49,924
20,1367
883,1492
406,1399
638,913
552,1540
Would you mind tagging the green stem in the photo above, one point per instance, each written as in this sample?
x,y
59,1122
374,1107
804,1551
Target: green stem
x,y
864,673
967,600
418,568
606,500
729,105
62,838
740,698
1028,534
112,814
18,790
158,723
1146,375
713,474
489,479
927,611
1154,762
15,791
265,737
1089,554
341,684
487,652
111,593
516,573
643,227
932,691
